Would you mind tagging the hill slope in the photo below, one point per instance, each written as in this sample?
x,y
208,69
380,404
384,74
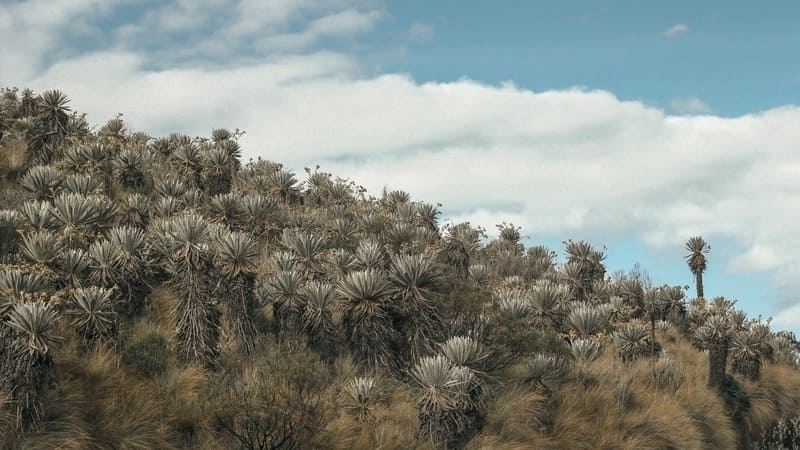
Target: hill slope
x,y
157,293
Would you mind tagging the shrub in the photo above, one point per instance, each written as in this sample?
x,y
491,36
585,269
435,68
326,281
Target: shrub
x,y
512,341
146,355
274,402
784,435
736,400
9,240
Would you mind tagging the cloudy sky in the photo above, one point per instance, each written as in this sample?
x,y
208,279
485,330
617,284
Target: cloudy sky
x,y
633,125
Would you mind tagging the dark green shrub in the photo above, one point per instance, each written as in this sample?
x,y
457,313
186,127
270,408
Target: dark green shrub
x,y
736,401
513,341
9,240
146,355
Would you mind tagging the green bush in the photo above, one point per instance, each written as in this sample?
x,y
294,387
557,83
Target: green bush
x,y
8,240
514,341
146,355
736,401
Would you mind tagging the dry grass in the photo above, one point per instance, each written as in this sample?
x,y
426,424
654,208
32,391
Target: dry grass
x,y
776,395
517,418
393,422
97,405
180,391
601,404
607,404
611,404
13,153
160,310
143,328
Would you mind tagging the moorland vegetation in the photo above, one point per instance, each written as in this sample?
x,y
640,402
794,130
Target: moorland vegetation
x,y
159,293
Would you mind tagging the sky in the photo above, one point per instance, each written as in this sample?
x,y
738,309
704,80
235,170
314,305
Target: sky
x,y
632,125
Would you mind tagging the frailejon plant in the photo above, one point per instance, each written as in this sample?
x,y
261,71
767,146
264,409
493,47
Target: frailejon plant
x,y
415,282
92,315
473,361
585,350
545,302
130,263
236,259
545,373
287,302
227,209
586,264
586,320
442,391
27,364
697,249
197,315
317,318
715,336
633,341
42,181
365,304
746,355
361,397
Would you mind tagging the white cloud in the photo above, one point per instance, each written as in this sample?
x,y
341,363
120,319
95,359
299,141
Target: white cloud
x,y
676,30
689,105
345,23
421,32
576,159
318,18
788,318
758,258
32,30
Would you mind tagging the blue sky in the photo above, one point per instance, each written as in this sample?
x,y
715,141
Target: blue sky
x,y
632,124
737,56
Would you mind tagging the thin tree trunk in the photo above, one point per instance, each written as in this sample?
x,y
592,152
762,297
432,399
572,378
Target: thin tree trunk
x,y
699,281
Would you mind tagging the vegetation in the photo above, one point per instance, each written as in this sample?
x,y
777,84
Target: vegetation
x,y
157,292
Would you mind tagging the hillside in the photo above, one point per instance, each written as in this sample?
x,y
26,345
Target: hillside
x,y
158,292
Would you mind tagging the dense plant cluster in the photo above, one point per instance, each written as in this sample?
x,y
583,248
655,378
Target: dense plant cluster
x,y
159,293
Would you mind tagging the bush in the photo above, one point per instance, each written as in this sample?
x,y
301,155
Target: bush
x,y
512,342
736,400
146,355
784,435
9,239
273,401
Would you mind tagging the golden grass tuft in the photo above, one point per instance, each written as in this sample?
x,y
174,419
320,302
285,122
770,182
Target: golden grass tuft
x,y
180,392
98,405
393,424
160,309
611,404
13,154
774,396
517,418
